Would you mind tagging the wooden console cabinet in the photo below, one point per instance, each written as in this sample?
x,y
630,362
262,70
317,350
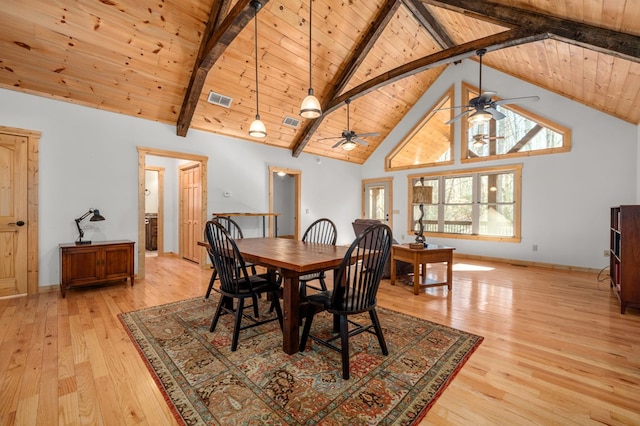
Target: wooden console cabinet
x,y
624,256
95,263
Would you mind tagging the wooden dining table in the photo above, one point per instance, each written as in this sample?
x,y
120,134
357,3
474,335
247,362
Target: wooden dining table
x,y
292,259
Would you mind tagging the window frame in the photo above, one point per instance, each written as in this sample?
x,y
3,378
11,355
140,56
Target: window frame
x,y
515,169
544,122
448,96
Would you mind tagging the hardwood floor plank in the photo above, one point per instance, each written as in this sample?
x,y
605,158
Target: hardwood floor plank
x,y
556,348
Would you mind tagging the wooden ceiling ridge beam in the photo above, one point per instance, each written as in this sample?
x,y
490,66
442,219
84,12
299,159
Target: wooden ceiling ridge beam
x,y
599,39
215,40
357,57
430,23
514,37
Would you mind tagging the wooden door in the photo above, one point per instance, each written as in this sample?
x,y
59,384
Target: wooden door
x,y
377,200
13,214
190,209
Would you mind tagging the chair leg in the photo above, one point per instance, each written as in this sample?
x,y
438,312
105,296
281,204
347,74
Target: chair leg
x,y
275,304
323,284
214,276
254,298
344,346
236,327
307,327
216,316
376,325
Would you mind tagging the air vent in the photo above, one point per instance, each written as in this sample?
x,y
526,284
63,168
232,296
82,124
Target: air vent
x,y
218,99
291,122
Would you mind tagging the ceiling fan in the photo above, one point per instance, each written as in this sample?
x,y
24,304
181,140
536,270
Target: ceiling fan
x,y
480,140
349,138
482,107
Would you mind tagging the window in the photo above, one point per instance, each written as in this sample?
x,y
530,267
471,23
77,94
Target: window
x,y
520,133
475,204
430,142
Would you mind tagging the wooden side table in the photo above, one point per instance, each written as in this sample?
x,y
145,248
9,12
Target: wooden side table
x,y
98,262
431,254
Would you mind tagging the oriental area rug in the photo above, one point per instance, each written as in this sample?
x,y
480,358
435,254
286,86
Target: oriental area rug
x,y
207,384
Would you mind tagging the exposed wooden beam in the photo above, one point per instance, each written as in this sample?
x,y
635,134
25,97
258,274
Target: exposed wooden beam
x,y
525,139
214,46
430,23
603,40
498,41
356,58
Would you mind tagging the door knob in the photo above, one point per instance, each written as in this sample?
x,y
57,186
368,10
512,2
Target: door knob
x,y
19,223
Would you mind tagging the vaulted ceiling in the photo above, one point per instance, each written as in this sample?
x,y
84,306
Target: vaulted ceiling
x,y
160,59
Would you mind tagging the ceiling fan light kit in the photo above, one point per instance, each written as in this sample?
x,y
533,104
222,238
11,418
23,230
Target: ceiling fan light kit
x,y
348,145
310,107
479,117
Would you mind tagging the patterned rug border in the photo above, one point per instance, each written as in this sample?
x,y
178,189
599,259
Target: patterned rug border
x,y
475,340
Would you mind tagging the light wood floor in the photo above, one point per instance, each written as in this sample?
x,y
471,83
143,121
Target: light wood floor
x,y
556,349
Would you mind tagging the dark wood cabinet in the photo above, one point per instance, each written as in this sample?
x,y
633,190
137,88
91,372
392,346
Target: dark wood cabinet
x,y
95,263
151,232
624,255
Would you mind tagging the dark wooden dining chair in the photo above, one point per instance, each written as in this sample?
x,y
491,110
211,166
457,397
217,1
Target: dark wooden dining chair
x,y
236,284
354,292
235,232
321,231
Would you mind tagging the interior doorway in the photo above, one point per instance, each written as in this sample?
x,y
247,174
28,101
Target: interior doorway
x,y
169,219
154,211
284,199
377,200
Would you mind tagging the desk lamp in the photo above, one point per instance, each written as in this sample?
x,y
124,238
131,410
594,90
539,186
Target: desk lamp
x,y
421,195
95,218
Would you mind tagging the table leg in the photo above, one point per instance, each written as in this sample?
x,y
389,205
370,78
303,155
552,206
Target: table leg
x,y
416,278
450,273
291,302
393,271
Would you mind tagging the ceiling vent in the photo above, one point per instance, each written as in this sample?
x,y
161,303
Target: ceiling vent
x,y
291,122
218,99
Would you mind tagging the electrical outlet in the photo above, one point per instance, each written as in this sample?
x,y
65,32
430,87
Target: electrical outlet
x,y
606,253
535,247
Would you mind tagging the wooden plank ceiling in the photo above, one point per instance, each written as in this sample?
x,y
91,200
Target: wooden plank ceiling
x,y
159,59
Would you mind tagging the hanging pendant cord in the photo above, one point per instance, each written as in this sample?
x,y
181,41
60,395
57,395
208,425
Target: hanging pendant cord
x,y
310,28
255,18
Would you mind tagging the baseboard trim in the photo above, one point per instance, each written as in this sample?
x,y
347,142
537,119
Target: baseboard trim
x,y
518,262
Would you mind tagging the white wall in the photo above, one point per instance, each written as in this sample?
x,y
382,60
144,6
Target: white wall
x,y
88,158
566,197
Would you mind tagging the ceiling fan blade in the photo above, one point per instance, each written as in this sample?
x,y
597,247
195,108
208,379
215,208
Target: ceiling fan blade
x,y
340,142
333,137
455,107
462,114
516,100
364,135
360,141
497,115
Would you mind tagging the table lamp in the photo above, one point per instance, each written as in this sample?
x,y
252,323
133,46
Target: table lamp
x,y
421,195
95,218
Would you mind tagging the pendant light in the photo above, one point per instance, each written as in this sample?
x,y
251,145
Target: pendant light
x,y
310,107
257,129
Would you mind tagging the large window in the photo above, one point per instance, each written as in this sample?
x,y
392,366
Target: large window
x,y
476,204
430,142
519,133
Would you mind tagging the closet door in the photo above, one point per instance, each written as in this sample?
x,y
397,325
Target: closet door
x,y
190,209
